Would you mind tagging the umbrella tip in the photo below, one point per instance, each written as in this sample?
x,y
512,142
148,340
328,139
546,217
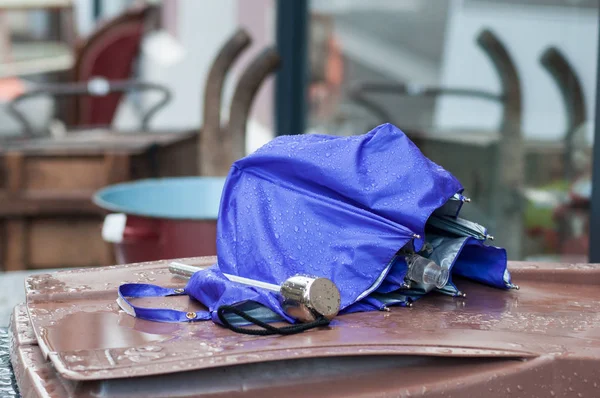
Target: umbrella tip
x,y
416,236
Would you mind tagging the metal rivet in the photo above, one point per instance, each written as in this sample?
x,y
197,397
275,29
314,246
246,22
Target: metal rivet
x,y
178,291
191,315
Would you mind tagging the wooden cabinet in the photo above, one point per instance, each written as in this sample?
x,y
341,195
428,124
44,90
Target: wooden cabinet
x,y
47,218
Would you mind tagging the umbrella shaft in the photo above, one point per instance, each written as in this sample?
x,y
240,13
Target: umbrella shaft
x,y
188,270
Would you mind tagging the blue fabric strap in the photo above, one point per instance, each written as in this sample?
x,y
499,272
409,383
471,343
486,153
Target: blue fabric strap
x,y
138,290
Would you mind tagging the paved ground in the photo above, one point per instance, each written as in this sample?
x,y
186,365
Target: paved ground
x,y
12,292
8,385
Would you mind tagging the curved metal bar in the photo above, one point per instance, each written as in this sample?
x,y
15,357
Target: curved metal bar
x,y
210,145
496,51
416,90
95,87
153,110
127,86
568,83
508,207
11,107
510,97
247,86
357,94
509,80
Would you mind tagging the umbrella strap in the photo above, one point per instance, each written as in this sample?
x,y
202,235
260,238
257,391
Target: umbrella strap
x,y
141,290
267,329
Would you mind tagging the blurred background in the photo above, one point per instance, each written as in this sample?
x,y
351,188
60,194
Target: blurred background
x,y
98,92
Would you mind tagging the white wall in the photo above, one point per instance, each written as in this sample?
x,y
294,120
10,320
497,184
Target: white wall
x,y
202,27
526,31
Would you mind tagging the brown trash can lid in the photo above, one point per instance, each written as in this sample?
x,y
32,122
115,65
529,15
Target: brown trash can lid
x,y
80,329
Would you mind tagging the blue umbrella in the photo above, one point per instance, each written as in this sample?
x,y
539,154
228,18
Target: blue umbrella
x,y
354,210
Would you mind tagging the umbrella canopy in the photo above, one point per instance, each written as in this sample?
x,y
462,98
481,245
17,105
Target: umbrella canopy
x,y
334,207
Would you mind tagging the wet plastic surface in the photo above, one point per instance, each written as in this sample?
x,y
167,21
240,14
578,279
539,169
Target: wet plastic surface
x,y
543,340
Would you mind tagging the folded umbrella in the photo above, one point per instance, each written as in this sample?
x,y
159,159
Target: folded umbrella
x,y
339,208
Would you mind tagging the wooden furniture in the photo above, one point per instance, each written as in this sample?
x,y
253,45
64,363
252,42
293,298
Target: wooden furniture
x,y
47,219
109,52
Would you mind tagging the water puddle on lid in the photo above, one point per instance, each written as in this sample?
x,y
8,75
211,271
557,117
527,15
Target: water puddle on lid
x,y
100,330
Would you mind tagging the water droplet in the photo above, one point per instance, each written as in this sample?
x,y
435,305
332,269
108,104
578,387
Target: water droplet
x,y
296,229
150,348
276,236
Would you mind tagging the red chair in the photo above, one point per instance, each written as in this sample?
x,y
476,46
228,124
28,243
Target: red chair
x,y
110,52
